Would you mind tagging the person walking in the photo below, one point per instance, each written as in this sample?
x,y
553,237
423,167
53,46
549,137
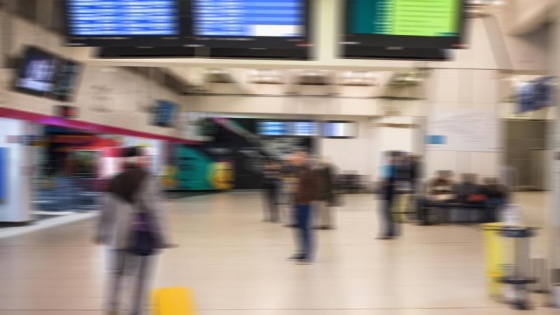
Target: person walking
x,y
133,228
271,191
388,193
305,194
325,216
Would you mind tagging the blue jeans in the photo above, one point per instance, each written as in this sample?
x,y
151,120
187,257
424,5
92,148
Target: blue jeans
x,y
304,219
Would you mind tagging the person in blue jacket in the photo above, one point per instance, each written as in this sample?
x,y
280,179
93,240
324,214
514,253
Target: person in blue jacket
x,y
388,192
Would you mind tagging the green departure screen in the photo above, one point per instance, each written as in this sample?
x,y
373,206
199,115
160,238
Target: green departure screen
x,y
434,18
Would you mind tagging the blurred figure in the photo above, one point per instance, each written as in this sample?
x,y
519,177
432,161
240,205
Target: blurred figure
x,y
288,183
415,171
468,190
132,227
496,196
404,170
326,199
305,194
271,190
388,193
439,189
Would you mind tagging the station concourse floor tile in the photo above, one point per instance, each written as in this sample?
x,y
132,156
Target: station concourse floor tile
x,y
237,265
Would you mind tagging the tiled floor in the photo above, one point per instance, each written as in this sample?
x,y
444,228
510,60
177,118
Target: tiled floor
x,y
237,265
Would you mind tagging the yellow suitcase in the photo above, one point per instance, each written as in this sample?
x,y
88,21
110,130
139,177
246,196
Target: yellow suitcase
x,y
173,301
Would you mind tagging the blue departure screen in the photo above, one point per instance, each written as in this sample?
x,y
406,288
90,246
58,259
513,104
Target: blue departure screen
x,y
273,128
305,128
123,17
249,18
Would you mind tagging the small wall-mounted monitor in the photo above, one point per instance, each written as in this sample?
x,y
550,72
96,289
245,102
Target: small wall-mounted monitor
x,y
165,113
339,129
37,72
535,94
42,73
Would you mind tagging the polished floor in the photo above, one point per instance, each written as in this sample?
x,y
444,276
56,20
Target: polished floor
x,y
237,265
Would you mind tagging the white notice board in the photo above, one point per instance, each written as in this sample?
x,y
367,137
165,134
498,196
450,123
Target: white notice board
x,y
473,130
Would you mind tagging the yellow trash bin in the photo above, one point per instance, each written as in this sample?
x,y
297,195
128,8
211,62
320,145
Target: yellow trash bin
x,y
495,258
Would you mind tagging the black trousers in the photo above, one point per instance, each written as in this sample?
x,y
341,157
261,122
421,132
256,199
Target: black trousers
x,y
134,271
389,227
271,210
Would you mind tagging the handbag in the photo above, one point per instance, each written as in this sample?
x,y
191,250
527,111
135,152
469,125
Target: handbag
x,y
476,198
143,240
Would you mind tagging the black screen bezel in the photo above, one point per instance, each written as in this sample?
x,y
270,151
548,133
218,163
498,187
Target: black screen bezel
x,y
28,50
128,41
401,41
155,121
71,95
49,94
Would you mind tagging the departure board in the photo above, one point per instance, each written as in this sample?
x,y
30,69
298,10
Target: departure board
x,y
432,18
123,17
249,18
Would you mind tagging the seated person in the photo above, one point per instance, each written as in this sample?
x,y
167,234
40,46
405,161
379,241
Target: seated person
x,y
468,190
495,193
440,188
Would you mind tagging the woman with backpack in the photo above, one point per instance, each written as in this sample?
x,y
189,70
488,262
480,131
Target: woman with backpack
x,y
132,226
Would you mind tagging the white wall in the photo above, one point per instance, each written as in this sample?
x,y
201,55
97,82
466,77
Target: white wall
x,y
356,155
283,105
528,15
124,95
454,89
364,153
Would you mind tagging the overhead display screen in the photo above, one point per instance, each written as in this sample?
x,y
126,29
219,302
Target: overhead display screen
x,y
405,17
404,23
249,18
123,17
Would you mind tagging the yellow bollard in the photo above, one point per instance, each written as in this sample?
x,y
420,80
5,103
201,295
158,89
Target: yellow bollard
x,y
173,301
494,256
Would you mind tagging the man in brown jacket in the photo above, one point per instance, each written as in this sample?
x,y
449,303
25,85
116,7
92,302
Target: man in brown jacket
x,y
306,193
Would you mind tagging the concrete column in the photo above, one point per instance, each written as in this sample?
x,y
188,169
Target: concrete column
x,y
17,207
552,230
